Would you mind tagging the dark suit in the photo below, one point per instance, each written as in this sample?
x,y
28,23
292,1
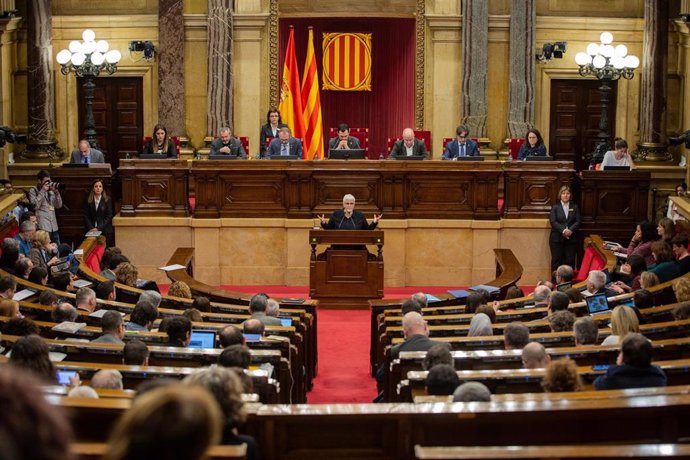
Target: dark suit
x,y
338,221
624,376
233,144
151,147
267,133
101,218
399,150
563,249
417,342
352,143
96,156
294,144
453,149
525,151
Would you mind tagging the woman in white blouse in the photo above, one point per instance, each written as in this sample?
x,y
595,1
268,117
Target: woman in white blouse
x,y
619,156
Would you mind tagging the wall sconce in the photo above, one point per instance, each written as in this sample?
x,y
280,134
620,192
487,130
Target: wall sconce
x,y
552,50
147,48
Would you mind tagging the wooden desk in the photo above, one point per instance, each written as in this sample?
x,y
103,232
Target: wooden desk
x,y
531,187
154,188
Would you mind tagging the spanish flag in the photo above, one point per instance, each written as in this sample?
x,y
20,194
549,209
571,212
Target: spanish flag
x,y
313,136
290,94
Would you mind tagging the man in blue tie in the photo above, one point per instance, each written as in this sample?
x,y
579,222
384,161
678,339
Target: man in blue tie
x,y
462,146
284,145
86,155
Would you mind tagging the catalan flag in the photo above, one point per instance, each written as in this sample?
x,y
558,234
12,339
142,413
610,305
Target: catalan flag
x,y
290,94
346,61
311,101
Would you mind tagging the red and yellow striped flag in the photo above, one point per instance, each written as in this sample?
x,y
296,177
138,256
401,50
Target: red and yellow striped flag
x,y
290,106
313,136
346,61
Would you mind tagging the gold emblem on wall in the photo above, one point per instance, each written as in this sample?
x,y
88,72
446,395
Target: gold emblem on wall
x,y
346,61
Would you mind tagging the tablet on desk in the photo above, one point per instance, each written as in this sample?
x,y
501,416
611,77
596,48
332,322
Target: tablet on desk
x,y
286,322
202,339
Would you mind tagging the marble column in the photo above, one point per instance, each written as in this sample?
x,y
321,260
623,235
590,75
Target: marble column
x,y
220,37
171,96
652,145
41,136
475,42
523,20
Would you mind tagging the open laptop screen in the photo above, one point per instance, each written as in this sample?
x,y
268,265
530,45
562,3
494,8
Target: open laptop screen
x,y
597,304
203,339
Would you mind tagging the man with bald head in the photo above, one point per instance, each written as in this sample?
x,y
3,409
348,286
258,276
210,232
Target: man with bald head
x,y
86,155
534,356
416,333
408,146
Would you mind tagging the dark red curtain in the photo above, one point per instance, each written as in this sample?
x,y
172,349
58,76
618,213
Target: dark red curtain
x,y
389,107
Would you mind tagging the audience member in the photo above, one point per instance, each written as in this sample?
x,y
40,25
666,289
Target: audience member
x,y
480,325
230,335
107,379
26,235
441,380
681,312
489,311
20,327
9,254
680,252
254,326
30,427
115,261
47,298
180,289
142,317
31,354
664,267
193,314
23,267
151,296
226,388
541,296
179,331
38,275
634,368
272,308
135,353
564,274
515,336
596,284
257,307
113,328
641,242
201,303
561,321
534,356
421,299
585,332
558,301
10,308
82,391
472,392
623,321
561,376
235,356
85,300
7,287
474,300
574,295
513,292
681,289
642,299
410,305
64,312
648,279
415,333
62,281
167,423
438,354
106,290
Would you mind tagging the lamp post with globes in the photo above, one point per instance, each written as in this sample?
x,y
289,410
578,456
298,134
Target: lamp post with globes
x,y
88,59
607,63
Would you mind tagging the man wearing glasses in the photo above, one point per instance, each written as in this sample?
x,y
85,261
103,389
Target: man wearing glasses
x,y
462,146
46,199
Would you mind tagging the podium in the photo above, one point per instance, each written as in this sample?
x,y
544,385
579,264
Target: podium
x,y
346,274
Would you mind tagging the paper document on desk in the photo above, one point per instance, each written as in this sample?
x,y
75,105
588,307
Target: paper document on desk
x,y
169,268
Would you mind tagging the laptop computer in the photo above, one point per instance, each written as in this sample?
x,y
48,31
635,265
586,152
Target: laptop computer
x,y
346,154
616,168
286,322
477,158
153,156
202,339
539,158
410,157
597,304
284,157
221,156
75,165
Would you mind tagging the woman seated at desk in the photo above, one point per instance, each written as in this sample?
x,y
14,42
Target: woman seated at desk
x,y
160,143
619,156
533,146
270,129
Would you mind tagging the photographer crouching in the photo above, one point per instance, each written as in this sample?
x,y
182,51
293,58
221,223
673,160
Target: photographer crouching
x,y
46,199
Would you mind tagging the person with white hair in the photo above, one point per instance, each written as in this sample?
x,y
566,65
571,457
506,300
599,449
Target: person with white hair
x,y
347,218
107,379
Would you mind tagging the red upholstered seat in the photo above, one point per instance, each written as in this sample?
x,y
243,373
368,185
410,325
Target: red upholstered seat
x,y
590,261
93,260
175,139
360,133
245,143
424,135
514,147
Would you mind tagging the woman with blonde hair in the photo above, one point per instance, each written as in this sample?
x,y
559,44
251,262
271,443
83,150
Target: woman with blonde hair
x,y
648,279
127,274
180,289
623,321
168,423
681,289
44,252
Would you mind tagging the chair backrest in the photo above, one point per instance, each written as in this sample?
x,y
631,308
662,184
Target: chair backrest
x,y
360,133
175,139
244,140
426,137
514,147
590,261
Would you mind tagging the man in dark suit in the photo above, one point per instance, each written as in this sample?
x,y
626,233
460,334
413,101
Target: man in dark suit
x,y
462,146
565,221
225,144
344,141
347,218
416,333
408,146
634,368
85,154
284,144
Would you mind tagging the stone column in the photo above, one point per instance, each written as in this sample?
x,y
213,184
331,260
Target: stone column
x,y
523,20
652,145
220,38
475,42
171,95
41,136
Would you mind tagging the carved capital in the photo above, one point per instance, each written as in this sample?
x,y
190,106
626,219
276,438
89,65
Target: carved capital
x,y
651,151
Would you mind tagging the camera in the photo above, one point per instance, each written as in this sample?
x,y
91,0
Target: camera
x,y
57,185
681,139
7,135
